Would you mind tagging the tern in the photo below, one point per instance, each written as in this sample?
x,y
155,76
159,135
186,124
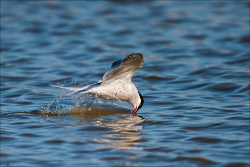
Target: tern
x,y
116,83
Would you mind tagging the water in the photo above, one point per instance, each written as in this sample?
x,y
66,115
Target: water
x,y
195,83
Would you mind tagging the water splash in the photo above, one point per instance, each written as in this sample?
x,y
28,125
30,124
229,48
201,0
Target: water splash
x,y
56,106
64,104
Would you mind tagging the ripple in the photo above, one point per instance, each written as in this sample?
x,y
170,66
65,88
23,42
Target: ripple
x,y
53,6
238,164
196,36
245,39
175,57
182,80
13,79
61,80
93,128
67,33
96,49
224,87
78,143
3,154
207,52
239,61
196,160
25,102
83,151
36,22
54,141
123,32
195,86
22,60
13,95
120,45
227,39
29,135
43,44
154,78
195,128
6,139
35,127
66,16
171,21
157,43
4,49
77,42
205,140
105,12
34,30
84,26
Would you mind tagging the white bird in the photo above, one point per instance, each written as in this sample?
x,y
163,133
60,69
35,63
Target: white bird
x,y
116,84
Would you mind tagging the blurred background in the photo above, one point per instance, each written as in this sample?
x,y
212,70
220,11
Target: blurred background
x,y
195,83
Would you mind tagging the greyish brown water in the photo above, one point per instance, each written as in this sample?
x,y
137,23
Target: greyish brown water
x,y
195,83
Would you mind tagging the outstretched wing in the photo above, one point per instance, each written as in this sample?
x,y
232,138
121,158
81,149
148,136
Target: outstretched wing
x,y
124,69
120,69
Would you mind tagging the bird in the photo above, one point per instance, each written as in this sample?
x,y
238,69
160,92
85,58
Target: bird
x,y
116,83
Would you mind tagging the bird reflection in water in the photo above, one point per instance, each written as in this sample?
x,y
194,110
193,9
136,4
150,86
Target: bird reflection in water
x,y
124,133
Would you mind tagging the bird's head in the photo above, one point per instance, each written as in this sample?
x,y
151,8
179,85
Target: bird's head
x,y
139,104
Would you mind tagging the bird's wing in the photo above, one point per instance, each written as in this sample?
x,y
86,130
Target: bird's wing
x,y
79,90
120,70
123,69
116,64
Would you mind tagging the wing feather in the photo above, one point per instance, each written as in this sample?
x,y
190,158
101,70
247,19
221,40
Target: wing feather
x,y
126,69
116,64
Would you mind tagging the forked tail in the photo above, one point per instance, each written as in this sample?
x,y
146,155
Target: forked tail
x,y
79,90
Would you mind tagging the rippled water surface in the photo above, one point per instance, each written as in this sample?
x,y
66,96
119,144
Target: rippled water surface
x,y
195,83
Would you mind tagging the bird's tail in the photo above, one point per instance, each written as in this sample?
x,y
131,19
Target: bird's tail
x,y
81,90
